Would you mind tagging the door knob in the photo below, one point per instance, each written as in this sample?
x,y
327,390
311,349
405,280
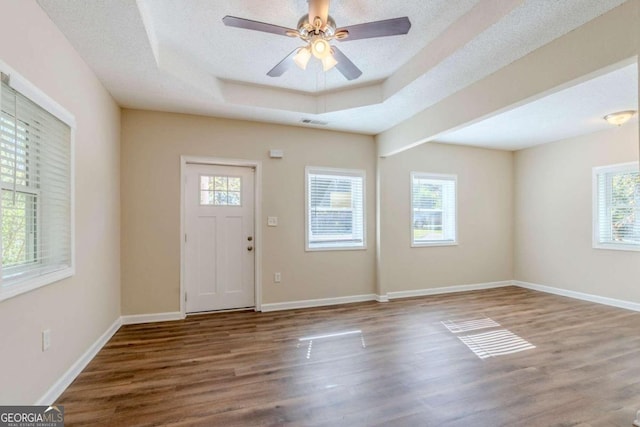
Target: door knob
x,y
249,248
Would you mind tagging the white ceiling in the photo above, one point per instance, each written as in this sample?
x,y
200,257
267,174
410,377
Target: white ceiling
x,y
177,56
571,112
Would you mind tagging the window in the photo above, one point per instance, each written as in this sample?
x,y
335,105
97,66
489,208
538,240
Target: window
x,y
335,209
433,209
35,185
220,190
616,215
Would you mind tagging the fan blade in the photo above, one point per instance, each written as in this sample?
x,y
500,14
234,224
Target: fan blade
x,y
319,8
388,27
283,65
345,66
248,24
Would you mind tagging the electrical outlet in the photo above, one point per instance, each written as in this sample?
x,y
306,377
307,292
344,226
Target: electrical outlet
x,y
46,339
277,277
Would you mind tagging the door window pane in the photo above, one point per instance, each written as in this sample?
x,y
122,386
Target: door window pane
x,y
220,190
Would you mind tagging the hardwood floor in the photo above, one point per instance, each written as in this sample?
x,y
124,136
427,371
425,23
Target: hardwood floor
x,y
406,369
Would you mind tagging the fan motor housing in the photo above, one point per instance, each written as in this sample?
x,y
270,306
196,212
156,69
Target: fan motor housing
x,y
306,29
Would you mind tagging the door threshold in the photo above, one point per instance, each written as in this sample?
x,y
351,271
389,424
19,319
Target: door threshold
x,y
226,310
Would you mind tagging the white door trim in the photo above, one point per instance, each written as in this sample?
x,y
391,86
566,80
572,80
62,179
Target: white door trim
x,y
257,206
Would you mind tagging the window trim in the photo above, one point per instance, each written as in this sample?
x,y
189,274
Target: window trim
x,y
595,219
346,172
429,175
20,285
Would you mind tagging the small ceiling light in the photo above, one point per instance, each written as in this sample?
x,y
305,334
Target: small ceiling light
x,y
328,62
302,57
619,118
320,48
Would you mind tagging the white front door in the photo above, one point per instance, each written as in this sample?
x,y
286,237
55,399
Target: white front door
x,y
219,242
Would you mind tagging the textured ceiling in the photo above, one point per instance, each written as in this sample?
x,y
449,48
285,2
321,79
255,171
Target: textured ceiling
x,y
571,112
214,47
177,56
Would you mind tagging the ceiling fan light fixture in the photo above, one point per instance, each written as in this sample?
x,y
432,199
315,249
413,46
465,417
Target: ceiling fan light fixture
x,y
317,30
328,62
320,48
302,57
619,118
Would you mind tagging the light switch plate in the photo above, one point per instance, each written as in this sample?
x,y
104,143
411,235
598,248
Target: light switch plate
x,y
272,221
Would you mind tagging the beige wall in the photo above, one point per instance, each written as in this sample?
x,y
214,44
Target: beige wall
x,y
152,144
80,309
485,219
553,213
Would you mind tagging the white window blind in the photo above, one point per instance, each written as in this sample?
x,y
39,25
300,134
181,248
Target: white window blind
x,y
617,206
35,181
433,209
335,209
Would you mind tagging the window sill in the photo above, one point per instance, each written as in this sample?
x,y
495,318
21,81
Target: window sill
x,y
431,244
13,287
336,248
617,247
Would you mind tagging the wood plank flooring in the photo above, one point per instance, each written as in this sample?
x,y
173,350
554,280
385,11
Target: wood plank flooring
x,y
407,368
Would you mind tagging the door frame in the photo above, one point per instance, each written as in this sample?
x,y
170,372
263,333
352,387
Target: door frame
x,y
257,215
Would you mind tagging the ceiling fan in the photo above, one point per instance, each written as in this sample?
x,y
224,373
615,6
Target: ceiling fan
x,y
317,30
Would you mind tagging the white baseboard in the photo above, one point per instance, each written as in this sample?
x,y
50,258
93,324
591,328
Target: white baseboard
x,y
448,289
579,295
382,298
290,305
67,378
136,319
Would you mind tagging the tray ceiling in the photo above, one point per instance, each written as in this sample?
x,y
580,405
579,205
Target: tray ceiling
x,y
177,56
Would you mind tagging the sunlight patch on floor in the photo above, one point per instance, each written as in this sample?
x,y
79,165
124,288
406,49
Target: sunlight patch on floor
x,y
310,339
495,343
470,325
